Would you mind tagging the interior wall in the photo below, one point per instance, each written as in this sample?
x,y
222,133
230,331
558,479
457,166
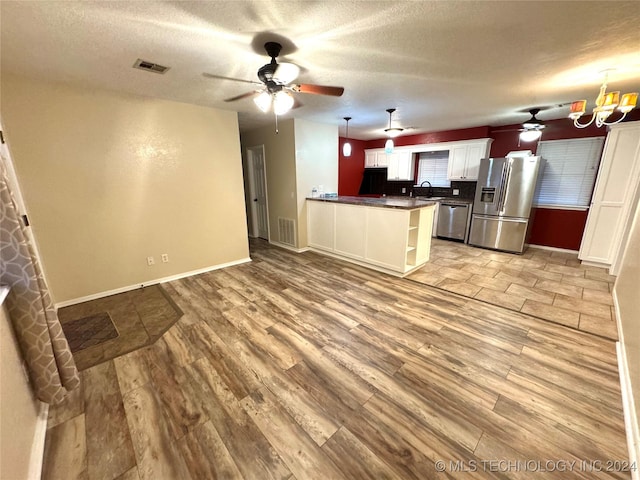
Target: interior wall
x,y
110,179
19,412
280,164
350,169
628,300
316,164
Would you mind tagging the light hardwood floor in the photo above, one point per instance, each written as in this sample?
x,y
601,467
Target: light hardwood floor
x,y
547,284
298,366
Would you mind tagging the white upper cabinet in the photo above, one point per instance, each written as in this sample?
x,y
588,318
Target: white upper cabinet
x,y
464,159
375,158
400,165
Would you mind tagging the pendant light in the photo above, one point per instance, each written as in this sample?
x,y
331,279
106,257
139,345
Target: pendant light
x,y
346,146
392,133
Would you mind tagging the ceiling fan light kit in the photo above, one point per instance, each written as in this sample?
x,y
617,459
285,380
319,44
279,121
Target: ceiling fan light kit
x,y
276,78
346,146
606,103
532,128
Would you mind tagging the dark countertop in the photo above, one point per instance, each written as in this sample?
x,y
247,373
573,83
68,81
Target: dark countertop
x,y
406,203
454,200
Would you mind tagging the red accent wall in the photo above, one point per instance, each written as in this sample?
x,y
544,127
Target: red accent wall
x,y
350,169
558,228
551,227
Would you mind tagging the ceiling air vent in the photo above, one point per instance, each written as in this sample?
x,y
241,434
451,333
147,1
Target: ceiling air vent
x,y
150,66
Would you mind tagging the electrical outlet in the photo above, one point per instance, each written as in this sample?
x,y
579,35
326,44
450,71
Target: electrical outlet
x,y
150,261
456,191
404,189
165,258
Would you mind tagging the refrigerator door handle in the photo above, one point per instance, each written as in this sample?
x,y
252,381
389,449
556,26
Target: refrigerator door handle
x,y
502,184
514,220
505,187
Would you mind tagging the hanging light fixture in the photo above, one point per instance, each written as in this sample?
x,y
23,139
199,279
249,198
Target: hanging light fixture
x,y
532,128
346,146
606,103
263,101
391,132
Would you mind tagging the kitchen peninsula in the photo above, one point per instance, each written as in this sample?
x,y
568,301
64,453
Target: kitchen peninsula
x,y
389,234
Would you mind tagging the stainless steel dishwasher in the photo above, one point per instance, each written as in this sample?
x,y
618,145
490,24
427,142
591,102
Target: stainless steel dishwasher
x,y
453,220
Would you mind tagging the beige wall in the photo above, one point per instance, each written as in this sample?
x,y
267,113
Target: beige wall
x,y
626,291
18,408
279,155
109,179
316,164
302,155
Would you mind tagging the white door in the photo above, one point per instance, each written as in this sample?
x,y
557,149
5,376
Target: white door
x,y
258,190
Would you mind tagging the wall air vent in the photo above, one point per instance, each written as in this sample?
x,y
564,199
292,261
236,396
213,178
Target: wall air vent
x,y
150,66
287,231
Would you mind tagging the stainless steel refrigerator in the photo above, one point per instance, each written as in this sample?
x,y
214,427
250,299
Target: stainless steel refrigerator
x,y
502,205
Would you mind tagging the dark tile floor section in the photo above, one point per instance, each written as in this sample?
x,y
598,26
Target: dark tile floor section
x,y
141,317
89,331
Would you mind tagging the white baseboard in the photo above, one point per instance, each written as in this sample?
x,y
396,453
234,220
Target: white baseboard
x,y
630,419
289,247
37,448
553,249
147,283
628,402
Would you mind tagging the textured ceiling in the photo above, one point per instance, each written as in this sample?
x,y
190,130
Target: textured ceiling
x,y
443,65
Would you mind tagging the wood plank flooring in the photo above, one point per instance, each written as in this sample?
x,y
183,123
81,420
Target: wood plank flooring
x,y
299,366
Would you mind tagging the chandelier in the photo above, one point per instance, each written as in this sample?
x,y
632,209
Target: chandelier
x,y
606,103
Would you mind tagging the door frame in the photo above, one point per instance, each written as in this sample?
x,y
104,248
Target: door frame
x,y
252,208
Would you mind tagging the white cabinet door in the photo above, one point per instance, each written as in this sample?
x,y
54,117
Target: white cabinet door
x,y
321,224
400,165
370,159
382,159
458,162
612,201
475,153
392,168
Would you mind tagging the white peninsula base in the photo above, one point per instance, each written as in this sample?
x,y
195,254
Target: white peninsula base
x,y
389,235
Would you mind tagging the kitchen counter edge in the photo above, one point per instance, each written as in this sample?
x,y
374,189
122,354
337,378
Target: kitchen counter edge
x,y
382,202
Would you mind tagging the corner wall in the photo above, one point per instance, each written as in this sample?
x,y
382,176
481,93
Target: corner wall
x,y
628,309
19,412
110,179
316,164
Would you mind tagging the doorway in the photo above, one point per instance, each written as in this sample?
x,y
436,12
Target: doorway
x,y
258,205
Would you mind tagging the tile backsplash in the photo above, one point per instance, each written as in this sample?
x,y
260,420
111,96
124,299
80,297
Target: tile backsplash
x,y
467,189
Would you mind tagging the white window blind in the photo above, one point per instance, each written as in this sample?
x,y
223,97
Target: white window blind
x,y
570,171
432,167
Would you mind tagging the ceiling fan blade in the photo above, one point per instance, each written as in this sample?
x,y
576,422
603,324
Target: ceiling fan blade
x,y
318,89
240,97
221,77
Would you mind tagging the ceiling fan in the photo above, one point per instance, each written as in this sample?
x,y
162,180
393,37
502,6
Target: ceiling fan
x,y
276,87
531,129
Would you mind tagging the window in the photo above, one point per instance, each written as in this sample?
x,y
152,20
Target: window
x,y
570,171
432,167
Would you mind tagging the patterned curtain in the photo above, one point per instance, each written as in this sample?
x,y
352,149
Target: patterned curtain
x,y
45,349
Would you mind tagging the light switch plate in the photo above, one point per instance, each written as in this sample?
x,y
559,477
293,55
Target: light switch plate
x,y
456,191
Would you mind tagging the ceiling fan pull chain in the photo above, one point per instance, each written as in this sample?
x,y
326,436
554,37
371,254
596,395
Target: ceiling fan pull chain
x,y
276,122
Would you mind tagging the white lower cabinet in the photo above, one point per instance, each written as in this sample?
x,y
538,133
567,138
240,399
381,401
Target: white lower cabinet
x,y
322,229
392,240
